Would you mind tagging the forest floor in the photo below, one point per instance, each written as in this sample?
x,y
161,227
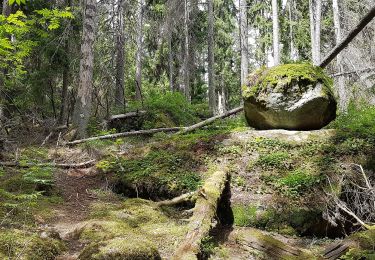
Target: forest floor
x,y
109,211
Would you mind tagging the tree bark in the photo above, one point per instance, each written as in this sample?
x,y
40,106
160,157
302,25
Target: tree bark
x,y
120,57
244,41
83,104
352,34
211,72
138,66
340,81
315,9
275,33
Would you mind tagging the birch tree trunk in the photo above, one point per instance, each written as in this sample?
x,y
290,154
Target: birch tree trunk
x,y
341,90
187,90
138,69
120,57
82,109
244,41
275,31
211,72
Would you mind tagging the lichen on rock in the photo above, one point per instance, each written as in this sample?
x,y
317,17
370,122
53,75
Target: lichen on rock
x,y
290,96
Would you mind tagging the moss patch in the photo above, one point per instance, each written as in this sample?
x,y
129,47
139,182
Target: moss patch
x,y
284,75
23,245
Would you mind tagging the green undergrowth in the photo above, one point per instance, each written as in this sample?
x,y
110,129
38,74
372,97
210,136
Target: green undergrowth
x,y
165,167
27,192
288,74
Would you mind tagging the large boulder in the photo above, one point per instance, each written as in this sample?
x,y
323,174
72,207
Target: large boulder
x,y
290,96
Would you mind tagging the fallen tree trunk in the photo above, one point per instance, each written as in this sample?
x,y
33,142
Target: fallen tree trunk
x,y
210,120
55,165
127,115
125,134
352,34
183,198
203,215
179,130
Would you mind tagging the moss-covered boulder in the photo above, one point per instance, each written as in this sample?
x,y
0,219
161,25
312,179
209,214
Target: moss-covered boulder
x,y
290,96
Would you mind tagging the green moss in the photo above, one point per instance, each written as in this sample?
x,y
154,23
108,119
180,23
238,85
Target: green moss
x,y
23,245
273,160
284,75
121,249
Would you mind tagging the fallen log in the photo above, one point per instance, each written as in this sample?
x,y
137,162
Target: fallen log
x,y
210,120
352,34
125,134
52,164
178,200
274,248
204,214
127,115
179,130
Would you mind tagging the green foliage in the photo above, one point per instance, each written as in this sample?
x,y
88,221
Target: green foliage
x,y
169,109
273,160
358,121
297,181
244,216
39,175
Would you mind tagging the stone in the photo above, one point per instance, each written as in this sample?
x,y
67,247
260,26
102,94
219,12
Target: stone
x,y
289,96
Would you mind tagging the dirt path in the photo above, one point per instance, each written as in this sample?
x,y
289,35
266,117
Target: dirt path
x,y
75,187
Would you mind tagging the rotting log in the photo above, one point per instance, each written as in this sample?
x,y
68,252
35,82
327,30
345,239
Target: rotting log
x,y
177,200
210,120
203,217
126,134
82,165
274,248
127,115
352,34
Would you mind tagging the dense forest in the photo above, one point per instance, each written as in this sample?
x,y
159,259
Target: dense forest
x,y
186,129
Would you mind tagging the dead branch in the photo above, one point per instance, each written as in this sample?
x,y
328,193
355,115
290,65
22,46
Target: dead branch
x,y
210,120
52,164
352,34
126,134
180,199
204,214
352,72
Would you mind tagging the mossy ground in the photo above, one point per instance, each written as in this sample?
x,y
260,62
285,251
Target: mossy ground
x,y
277,184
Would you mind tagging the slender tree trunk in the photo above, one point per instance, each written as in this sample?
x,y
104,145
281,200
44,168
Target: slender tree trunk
x,y
138,72
244,41
315,12
211,72
120,58
171,62
7,9
340,81
82,110
65,76
187,90
275,30
293,49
